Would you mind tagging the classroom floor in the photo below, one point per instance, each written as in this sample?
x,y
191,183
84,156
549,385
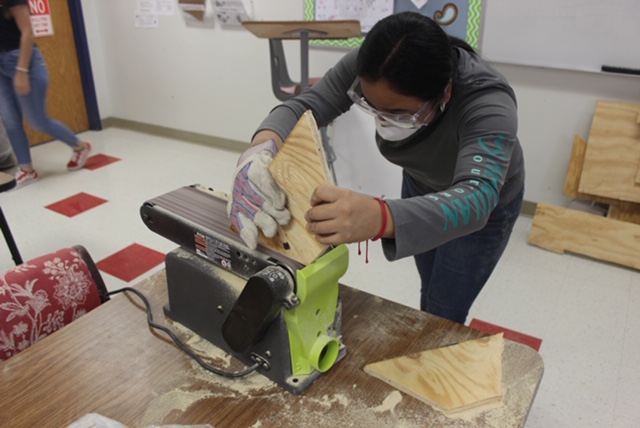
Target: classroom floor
x,y
584,312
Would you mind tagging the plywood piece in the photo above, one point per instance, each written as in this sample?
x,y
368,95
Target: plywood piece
x,y
299,167
452,379
562,230
618,210
625,211
613,153
572,181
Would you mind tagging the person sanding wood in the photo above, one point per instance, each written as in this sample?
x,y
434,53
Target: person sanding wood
x,y
444,115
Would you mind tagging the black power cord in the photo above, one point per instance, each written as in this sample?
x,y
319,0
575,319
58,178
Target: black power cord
x,y
179,343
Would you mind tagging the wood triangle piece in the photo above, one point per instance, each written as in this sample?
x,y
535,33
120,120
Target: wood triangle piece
x,y
453,378
299,167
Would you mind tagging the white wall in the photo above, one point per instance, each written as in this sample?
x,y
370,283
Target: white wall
x,y
217,82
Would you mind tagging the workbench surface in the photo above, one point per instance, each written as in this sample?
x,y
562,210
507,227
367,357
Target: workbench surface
x,y
109,362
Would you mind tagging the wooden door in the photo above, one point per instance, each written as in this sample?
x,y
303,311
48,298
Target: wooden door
x,y
65,100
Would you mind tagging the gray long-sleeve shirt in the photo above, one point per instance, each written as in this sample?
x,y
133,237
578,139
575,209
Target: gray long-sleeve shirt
x,y
465,163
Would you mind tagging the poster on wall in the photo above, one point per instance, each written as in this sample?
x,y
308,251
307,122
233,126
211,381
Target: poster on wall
x,y
459,18
41,18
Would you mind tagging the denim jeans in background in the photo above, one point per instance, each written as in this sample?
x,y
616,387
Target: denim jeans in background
x,y
454,273
32,105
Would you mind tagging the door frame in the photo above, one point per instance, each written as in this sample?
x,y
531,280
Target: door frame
x,y
84,62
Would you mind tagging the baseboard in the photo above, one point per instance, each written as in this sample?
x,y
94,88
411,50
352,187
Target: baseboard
x,y
162,131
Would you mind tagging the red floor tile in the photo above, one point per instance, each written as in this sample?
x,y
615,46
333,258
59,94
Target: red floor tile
x,y
131,262
76,204
98,161
514,336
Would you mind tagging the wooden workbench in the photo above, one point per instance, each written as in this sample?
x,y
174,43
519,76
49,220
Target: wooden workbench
x,y
109,362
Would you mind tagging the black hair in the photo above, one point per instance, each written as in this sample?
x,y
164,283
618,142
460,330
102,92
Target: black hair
x,y
412,53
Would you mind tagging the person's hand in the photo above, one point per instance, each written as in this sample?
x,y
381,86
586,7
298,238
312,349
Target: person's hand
x,y
21,83
341,216
257,202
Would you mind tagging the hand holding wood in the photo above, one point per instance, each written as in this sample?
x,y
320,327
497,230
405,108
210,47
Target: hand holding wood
x,y
340,216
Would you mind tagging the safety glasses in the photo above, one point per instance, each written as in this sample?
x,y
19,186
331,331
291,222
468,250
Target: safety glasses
x,y
401,120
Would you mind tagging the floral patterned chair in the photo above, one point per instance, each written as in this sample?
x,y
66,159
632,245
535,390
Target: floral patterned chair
x,y
42,295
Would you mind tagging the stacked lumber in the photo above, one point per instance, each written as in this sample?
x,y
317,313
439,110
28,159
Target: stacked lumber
x,y
604,169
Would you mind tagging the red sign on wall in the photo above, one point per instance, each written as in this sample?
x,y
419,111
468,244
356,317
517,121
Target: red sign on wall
x,y
41,18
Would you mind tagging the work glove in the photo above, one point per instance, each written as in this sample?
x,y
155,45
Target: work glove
x,y
257,201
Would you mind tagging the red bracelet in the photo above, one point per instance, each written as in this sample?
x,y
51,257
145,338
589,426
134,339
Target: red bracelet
x,y
383,207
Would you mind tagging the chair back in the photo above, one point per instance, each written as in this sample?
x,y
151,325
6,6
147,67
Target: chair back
x,y
281,84
42,295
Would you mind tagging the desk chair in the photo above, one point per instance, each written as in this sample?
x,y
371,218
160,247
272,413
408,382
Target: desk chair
x,y
42,295
284,88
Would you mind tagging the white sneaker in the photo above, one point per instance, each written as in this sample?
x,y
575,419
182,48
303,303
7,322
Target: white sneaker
x,y
24,177
79,158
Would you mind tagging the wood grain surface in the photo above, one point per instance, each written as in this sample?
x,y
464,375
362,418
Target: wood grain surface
x,y
453,379
561,229
574,171
110,362
612,156
618,210
625,211
299,167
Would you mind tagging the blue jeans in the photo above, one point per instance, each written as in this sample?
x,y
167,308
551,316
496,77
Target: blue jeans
x,y
454,273
32,105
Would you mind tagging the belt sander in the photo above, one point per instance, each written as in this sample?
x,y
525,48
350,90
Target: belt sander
x,y
257,305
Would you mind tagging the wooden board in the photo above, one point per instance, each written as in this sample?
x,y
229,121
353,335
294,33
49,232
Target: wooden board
x,y
574,172
299,167
625,211
613,153
561,229
618,210
452,379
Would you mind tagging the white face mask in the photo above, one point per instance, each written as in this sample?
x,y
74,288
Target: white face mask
x,y
394,133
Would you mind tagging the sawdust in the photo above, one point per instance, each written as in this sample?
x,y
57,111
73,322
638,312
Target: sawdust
x,y
345,412
182,389
327,401
244,386
210,384
335,409
176,399
225,276
230,278
389,403
205,348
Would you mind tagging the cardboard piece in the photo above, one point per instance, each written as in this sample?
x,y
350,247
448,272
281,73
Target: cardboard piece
x,y
452,379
